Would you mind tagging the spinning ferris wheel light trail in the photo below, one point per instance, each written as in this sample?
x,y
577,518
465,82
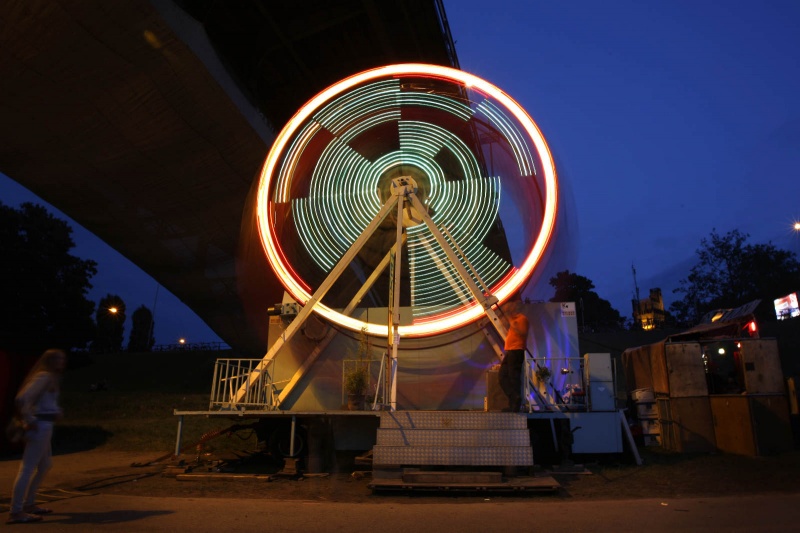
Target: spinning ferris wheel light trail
x,y
405,134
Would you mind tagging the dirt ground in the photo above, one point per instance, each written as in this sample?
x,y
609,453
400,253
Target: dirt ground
x,y
661,476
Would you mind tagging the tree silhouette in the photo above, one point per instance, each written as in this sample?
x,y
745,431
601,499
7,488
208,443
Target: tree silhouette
x,y
43,287
141,337
593,312
730,273
110,320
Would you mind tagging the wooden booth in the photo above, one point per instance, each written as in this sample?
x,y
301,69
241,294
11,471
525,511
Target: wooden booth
x,y
714,389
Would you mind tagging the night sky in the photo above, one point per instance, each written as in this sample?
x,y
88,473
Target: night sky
x,y
666,119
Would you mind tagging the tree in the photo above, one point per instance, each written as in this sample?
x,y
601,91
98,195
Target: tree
x,y
110,320
43,287
730,273
592,311
141,338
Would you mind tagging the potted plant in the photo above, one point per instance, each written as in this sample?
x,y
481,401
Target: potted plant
x,y
355,384
356,380
543,373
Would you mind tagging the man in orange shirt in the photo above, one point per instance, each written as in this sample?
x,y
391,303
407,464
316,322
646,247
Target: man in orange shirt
x,y
514,357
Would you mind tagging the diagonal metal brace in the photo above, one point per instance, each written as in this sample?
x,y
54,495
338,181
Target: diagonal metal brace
x,y
486,300
320,293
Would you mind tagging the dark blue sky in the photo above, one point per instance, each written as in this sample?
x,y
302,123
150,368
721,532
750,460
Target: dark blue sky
x,y
667,119
117,275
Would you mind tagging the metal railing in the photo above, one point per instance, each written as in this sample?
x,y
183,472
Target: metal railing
x,y
564,389
231,374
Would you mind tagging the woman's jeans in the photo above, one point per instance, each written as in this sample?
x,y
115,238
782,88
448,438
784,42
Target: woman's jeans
x,y
36,461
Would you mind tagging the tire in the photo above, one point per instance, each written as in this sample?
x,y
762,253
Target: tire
x,y
279,441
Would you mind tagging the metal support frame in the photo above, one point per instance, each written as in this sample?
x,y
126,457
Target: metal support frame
x,y
179,436
321,345
403,190
487,300
321,291
381,388
394,302
632,443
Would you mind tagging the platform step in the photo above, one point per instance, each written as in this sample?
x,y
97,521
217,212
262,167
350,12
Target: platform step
x,y
545,484
453,455
452,420
452,477
453,437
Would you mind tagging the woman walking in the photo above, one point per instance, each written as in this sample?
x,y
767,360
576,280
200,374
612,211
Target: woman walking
x,y
37,407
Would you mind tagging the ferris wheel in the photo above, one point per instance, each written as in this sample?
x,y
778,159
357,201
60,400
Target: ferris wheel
x,y
408,186
480,165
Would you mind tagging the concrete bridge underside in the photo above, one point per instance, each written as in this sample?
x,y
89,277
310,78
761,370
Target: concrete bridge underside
x,y
147,122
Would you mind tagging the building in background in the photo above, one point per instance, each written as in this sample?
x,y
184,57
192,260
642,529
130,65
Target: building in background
x,y
648,312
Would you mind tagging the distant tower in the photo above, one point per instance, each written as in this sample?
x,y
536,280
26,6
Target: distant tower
x,y
637,308
648,313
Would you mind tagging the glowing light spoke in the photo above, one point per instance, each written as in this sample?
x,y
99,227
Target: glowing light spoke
x,y
357,103
437,102
429,139
320,221
287,171
523,155
469,208
440,283
366,125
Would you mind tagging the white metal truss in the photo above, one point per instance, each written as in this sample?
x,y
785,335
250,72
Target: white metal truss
x,y
404,195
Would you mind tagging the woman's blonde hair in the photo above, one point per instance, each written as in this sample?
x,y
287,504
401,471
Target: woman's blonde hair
x,y
46,363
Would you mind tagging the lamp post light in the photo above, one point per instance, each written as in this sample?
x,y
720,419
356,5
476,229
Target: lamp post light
x,y
796,228
112,326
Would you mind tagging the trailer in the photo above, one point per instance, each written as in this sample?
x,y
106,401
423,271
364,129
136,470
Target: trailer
x,y
454,374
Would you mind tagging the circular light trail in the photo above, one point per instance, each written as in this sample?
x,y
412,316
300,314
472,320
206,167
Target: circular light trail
x,y
476,155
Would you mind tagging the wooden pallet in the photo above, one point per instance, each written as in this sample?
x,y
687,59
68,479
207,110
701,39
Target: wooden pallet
x,y
465,482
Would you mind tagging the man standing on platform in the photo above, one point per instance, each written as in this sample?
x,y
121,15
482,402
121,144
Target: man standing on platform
x,y
514,356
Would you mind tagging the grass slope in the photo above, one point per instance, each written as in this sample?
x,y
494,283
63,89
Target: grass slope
x,y
134,409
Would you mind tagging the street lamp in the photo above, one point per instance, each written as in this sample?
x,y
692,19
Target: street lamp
x,y
113,310
796,228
